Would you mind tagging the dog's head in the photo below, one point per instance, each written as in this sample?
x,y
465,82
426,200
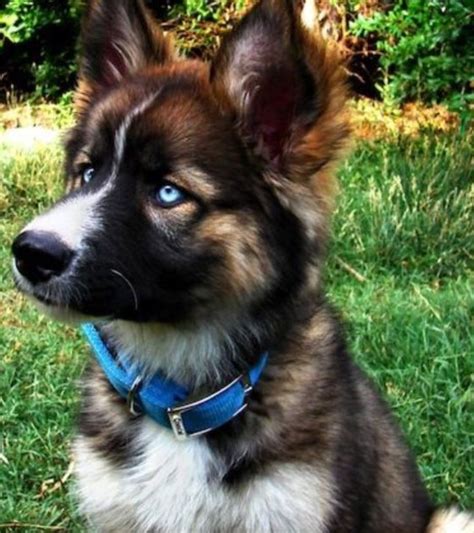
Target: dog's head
x,y
194,190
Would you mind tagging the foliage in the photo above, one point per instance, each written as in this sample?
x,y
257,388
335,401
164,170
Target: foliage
x,y
205,10
200,9
427,50
38,39
37,44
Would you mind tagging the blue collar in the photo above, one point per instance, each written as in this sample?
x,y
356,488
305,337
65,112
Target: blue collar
x,y
165,401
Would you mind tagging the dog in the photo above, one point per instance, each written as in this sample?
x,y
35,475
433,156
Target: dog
x,y
192,235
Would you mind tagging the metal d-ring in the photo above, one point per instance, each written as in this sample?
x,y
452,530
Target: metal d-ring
x,y
131,403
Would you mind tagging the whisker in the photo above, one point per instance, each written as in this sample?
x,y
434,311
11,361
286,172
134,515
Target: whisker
x,y
127,281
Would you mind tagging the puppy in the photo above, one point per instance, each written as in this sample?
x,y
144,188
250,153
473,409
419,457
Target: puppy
x,y
193,236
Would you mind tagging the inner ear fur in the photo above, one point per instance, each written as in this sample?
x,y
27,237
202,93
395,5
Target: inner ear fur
x,y
286,88
118,38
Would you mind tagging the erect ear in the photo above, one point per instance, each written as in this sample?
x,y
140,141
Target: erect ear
x,y
285,87
119,37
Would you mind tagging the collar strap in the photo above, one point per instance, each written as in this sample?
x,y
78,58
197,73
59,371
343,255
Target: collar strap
x,y
165,401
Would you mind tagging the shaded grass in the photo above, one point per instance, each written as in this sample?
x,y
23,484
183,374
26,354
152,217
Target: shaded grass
x,y
404,221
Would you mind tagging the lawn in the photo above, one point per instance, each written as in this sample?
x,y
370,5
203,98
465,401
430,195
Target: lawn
x,y
399,270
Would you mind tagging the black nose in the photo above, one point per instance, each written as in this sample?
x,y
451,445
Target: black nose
x,y
40,255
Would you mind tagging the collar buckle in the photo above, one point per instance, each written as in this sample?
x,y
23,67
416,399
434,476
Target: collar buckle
x,y
175,414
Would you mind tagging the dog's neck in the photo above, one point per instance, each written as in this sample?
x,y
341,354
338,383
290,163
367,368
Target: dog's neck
x,y
196,356
206,354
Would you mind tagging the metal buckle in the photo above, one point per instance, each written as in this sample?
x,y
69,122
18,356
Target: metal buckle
x,y
131,404
175,414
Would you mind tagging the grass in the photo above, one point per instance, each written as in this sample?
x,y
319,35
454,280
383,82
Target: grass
x,y
404,223
40,362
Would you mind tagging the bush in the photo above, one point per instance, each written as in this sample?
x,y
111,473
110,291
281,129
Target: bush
x,y
37,45
427,50
38,39
205,10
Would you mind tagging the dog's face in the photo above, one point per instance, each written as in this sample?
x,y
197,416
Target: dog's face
x,y
194,190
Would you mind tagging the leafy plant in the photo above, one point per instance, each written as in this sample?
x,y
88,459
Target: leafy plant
x,y
205,10
201,9
37,44
425,46
427,51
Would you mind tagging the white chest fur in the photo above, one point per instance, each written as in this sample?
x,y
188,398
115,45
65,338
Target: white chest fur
x,y
172,487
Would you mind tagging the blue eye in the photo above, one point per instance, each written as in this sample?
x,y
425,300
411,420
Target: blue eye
x,y
88,174
169,196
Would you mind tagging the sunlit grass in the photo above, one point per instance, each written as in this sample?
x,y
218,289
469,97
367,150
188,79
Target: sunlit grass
x,y
407,206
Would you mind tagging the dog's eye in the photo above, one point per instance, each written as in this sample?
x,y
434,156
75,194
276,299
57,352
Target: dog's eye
x,y
87,174
169,195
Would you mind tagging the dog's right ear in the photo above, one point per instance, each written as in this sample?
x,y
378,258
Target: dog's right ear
x,y
119,37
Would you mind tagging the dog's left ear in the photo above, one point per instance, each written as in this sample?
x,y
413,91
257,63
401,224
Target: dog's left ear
x,y
285,87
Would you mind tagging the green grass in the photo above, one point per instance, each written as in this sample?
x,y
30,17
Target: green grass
x,y
40,362
404,223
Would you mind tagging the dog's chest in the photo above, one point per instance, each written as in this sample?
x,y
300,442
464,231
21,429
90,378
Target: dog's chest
x,y
175,486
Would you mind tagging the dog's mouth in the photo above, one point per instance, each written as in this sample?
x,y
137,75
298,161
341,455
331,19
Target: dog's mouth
x,y
94,292
71,299
48,301
33,292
